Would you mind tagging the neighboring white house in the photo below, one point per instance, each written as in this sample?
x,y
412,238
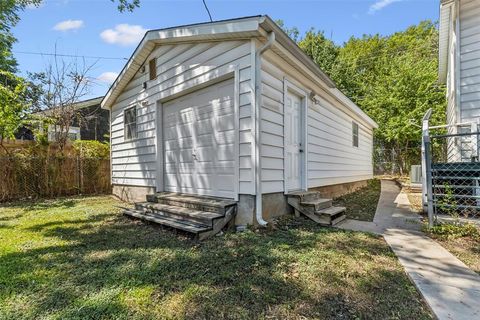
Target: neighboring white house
x,y
459,60
233,109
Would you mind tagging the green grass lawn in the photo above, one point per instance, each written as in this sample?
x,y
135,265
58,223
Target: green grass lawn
x,y
81,259
361,204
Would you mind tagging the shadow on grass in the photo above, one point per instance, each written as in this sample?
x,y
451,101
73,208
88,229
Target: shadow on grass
x,y
30,205
123,269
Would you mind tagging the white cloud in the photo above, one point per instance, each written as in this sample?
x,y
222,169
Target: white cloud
x,y
68,25
380,4
108,77
123,34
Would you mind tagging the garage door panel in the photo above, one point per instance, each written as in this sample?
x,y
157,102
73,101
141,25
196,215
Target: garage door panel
x,y
182,168
183,156
186,143
226,123
199,139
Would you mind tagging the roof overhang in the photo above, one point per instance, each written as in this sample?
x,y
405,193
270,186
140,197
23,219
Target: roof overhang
x,y
213,31
445,22
76,105
234,29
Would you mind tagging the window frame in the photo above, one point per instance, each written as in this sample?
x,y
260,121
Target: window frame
x,y
133,133
355,135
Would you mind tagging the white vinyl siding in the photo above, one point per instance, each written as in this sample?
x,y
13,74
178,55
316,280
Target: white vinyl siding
x,y
180,67
331,158
469,59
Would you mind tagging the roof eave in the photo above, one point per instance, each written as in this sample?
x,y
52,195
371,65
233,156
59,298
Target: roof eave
x,y
282,38
222,30
444,38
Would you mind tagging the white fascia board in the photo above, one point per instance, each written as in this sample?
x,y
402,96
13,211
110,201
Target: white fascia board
x,y
445,22
222,30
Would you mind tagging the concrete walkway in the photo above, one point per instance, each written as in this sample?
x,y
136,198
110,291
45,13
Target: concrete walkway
x,y
448,286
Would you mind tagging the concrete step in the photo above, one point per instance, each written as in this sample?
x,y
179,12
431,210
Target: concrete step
x,y
201,203
318,204
187,226
179,213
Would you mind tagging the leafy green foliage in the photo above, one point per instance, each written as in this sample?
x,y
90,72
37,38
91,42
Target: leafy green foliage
x,y
322,50
13,109
9,17
92,149
127,5
392,78
454,230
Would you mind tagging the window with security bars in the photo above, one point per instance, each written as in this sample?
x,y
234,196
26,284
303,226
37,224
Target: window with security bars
x,y
354,134
130,123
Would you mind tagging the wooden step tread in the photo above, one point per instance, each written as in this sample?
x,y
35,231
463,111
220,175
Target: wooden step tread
x,y
331,211
203,200
316,202
302,193
166,221
187,212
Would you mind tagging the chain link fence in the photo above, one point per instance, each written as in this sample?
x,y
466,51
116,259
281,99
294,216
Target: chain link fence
x,y
455,174
390,161
30,177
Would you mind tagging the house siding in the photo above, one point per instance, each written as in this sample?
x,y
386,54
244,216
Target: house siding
x,y
469,60
180,67
331,157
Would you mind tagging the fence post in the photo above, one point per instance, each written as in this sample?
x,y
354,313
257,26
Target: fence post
x,y
429,187
425,135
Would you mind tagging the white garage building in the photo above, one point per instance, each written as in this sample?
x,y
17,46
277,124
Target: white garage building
x,y
233,109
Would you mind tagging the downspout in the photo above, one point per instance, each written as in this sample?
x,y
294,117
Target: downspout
x,y
257,120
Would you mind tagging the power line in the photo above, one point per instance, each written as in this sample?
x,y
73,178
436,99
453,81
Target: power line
x,y
69,55
208,11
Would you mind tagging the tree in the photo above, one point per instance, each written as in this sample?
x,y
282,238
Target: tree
x,y
9,17
322,50
13,109
392,78
60,87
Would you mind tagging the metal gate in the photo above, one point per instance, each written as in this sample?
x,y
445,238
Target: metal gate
x,y
450,159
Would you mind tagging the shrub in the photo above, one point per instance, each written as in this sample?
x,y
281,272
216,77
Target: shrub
x,y
454,230
92,149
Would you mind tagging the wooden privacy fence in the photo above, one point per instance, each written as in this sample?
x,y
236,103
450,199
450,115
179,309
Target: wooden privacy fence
x,y
23,177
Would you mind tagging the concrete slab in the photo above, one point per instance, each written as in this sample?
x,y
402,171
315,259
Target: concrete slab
x,y
449,287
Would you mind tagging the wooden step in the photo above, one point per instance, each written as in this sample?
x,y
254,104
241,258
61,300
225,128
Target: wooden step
x,y
338,220
331,211
167,221
180,213
305,196
318,204
201,203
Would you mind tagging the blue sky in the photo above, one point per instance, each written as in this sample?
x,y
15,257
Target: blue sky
x,y
96,28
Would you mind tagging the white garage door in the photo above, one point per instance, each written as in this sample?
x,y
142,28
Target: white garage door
x,y
199,136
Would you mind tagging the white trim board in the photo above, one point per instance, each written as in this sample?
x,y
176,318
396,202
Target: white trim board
x,y
289,86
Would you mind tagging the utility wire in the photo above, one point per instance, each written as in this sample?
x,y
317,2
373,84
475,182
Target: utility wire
x,y
208,11
69,55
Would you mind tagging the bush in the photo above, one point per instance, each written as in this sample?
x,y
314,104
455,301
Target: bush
x,y
92,149
454,230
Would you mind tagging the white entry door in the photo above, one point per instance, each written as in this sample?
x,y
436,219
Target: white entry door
x,y
293,142
199,142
